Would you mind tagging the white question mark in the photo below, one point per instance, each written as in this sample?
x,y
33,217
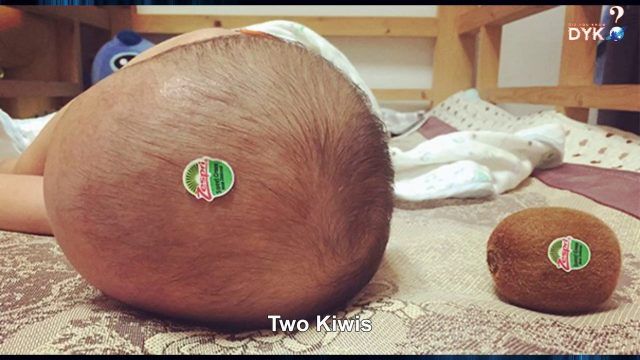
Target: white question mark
x,y
620,12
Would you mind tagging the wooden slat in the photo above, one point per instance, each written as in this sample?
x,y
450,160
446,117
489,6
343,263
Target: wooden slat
x,y
454,55
578,60
401,94
68,51
120,17
27,88
613,97
578,56
326,26
471,21
90,15
488,62
69,54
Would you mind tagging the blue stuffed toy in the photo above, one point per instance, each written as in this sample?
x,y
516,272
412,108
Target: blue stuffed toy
x,y
117,53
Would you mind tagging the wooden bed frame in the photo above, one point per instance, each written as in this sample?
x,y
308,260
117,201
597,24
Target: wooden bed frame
x,y
467,53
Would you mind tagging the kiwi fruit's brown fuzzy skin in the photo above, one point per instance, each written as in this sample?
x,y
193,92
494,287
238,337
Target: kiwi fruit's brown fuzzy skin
x,y
524,275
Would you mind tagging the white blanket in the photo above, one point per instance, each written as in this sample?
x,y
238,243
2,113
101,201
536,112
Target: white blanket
x,y
475,163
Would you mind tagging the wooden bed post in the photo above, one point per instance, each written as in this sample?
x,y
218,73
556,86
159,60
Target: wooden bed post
x,y
488,68
453,58
578,59
69,54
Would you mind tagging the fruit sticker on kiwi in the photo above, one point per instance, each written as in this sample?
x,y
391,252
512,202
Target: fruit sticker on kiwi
x,y
568,253
207,178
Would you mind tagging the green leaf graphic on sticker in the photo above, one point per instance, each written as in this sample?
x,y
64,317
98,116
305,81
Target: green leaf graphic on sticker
x,y
208,178
554,251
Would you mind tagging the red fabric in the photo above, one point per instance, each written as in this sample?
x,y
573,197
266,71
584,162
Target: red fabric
x,y
434,127
614,188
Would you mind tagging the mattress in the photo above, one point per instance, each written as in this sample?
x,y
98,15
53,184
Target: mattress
x,y
433,293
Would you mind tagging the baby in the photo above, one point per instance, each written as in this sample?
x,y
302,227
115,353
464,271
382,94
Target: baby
x,y
289,214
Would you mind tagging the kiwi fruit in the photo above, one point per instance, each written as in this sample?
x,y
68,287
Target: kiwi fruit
x,y
554,260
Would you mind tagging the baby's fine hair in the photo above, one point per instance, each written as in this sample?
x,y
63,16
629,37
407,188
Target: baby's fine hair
x,y
301,232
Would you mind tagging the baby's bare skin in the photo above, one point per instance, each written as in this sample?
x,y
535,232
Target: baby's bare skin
x,y
302,230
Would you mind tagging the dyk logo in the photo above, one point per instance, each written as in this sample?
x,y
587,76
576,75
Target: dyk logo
x,y
594,31
207,178
568,253
616,33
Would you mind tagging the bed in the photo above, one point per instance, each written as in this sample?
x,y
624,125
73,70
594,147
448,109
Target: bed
x,y
417,302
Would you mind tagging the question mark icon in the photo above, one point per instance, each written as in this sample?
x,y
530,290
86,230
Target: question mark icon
x,y
613,11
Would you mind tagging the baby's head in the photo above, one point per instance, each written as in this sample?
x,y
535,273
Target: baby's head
x,y
302,230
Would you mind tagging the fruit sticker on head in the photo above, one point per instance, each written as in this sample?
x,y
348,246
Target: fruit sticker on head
x,y
207,178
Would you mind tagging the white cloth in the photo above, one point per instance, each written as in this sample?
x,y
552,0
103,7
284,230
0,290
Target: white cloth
x,y
16,136
475,163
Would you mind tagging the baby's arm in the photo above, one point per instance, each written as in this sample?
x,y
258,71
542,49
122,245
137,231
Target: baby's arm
x,y
21,194
22,204
7,165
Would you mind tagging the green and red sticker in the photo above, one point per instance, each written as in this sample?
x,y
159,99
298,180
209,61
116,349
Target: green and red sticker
x,y
568,253
208,178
